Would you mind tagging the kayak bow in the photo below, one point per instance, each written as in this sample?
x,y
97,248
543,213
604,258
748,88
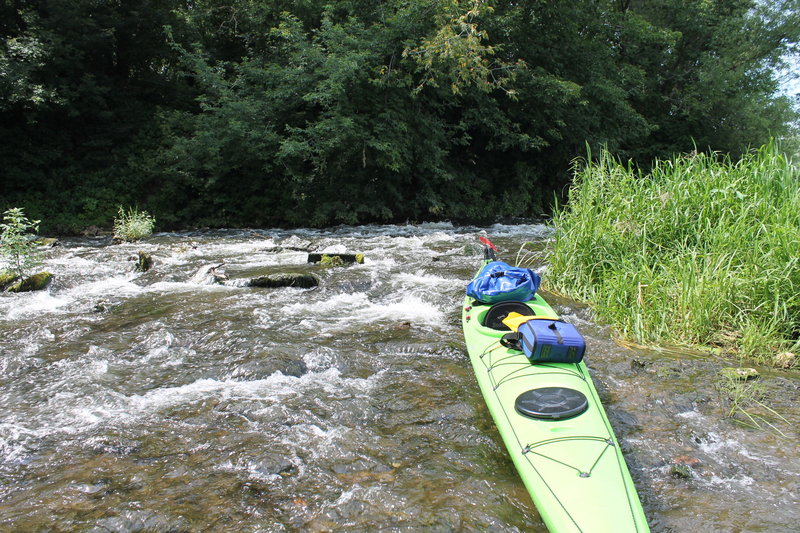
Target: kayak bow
x,y
555,429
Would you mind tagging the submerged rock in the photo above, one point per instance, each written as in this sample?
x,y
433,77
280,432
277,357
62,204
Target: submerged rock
x,y
36,282
303,281
686,460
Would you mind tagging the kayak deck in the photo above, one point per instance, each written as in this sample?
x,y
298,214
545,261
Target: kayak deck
x,y
573,467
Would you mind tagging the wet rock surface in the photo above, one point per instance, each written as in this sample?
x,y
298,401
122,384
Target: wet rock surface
x,y
36,282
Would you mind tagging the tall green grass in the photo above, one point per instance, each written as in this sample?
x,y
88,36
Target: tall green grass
x,y
701,251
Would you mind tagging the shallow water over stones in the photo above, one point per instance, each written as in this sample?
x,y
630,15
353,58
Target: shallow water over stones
x,y
146,402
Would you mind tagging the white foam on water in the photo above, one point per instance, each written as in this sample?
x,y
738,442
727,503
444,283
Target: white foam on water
x,y
168,287
13,439
232,248
27,305
30,345
742,481
357,308
436,226
726,447
318,360
73,262
419,280
334,249
120,286
346,496
318,442
72,413
266,260
410,308
529,231
338,302
270,389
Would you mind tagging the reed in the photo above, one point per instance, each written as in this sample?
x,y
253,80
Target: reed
x,y
700,251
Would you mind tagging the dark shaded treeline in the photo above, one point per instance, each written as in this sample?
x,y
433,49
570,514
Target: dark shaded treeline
x,y
306,112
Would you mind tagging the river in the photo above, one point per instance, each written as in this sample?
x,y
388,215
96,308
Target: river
x,y
134,402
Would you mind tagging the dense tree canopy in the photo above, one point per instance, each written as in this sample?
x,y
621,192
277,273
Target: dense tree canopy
x,y
313,112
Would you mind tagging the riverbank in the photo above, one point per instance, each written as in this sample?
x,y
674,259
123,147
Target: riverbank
x,y
700,252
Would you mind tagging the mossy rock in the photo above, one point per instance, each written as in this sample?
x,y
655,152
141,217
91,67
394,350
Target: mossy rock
x,y
336,259
36,282
6,279
331,261
681,471
48,242
303,281
144,262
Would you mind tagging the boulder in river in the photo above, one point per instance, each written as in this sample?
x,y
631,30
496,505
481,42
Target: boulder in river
x,y
334,259
303,281
48,242
6,279
36,282
144,262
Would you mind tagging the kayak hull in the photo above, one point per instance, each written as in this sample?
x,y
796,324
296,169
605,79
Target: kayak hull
x,y
573,468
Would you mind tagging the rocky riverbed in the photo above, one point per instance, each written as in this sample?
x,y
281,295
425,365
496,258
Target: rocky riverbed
x,y
148,401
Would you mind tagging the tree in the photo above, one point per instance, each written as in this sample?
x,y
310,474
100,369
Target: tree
x,y
17,247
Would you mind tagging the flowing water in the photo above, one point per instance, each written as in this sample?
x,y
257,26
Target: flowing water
x,y
151,402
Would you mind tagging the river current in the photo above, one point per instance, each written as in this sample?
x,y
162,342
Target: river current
x,y
133,402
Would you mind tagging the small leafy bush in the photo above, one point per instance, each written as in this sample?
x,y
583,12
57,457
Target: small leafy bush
x,y
132,225
18,249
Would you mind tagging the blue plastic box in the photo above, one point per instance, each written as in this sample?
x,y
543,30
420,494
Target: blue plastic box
x,y
551,341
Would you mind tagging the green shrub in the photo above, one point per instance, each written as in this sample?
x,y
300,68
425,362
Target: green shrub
x,y
701,251
18,249
132,225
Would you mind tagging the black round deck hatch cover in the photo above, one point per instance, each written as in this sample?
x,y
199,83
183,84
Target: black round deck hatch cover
x,y
496,313
553,403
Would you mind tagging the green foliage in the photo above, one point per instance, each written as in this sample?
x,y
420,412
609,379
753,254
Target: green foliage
x,y
702,250
132,225
18,249
345,111
457,51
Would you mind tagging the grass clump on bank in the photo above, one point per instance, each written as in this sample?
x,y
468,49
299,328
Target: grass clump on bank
x,y
133,225
701,251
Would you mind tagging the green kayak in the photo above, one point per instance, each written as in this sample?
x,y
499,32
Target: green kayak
x,y
567,455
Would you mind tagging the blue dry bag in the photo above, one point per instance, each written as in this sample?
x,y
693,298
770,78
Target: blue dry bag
x,y
500,282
